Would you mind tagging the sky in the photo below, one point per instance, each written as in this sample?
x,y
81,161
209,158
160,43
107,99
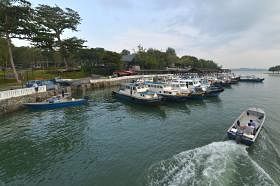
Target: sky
x,y
233,33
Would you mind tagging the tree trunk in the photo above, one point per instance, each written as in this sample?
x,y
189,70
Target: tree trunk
x,y
65,62
62,52
11,57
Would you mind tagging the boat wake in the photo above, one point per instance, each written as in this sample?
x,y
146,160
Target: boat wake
x,y
219,163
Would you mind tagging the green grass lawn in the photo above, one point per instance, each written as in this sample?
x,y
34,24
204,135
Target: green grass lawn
x,y
46,74
38,75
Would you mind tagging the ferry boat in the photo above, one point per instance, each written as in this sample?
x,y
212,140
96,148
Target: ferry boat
x,y
251,78
247,126
137,93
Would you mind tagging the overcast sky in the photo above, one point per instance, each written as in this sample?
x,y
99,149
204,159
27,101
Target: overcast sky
x,y
234,33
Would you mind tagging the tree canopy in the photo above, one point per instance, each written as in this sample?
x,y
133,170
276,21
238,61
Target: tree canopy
x,y
44,26
156,59
53,21
275,68
15,22
99,61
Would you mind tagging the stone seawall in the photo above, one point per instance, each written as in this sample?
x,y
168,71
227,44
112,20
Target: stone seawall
x,y
16,103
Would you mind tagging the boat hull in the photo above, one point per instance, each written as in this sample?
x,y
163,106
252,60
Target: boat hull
x,y
214,92
167,97
136,100
259,80
46,106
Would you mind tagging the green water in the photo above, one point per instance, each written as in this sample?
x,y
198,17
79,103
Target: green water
x,y
112,143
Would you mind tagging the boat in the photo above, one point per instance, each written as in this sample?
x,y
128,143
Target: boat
x,y
234,79
247,126
137,93
173,91
214,90
191,86
209,88
56,102
251,78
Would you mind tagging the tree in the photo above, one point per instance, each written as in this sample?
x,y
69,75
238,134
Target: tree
x,y
3,53
172,58
70,46
275,68
55,21
15,22
99,61
112,62
150,59
188,61
170,51
27,56
125,52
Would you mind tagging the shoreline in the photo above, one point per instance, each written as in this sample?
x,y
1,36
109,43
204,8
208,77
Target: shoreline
x,y
14,104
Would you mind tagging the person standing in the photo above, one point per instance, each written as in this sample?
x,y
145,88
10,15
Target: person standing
x,y
62,93
35,85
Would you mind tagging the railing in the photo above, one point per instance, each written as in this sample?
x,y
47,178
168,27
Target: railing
x,y
21,92
127,78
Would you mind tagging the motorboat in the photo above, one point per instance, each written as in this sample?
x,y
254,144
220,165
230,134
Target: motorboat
x,y
247,126
251,78
56,102
137,93
174,90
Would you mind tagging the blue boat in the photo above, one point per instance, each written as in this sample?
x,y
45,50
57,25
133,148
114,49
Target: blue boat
x,y
247,126
55,102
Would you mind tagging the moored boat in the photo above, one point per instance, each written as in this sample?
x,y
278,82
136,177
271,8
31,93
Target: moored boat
x,y
56,102
234,79
247,126
251,79
137,93
213,90
173,91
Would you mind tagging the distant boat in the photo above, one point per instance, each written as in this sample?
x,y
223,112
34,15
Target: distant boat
x,y
56,102
247,126
234,79
137,93
251,79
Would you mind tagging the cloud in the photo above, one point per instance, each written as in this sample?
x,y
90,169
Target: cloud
x,y
149,39
235,33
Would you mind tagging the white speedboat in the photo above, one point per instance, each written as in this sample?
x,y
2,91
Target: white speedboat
x,y
247,126
173,90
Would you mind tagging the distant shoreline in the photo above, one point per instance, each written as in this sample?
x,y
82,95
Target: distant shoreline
x,y
248,69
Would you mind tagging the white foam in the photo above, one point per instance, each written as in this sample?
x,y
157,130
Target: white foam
x,y
219,163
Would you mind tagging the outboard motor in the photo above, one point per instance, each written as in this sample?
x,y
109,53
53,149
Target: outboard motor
x,y
238,137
